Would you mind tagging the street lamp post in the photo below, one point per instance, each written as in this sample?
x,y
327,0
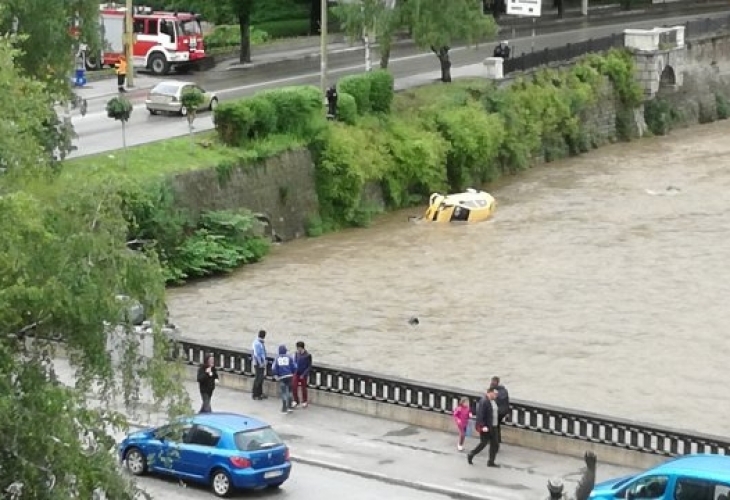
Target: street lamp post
x,y
323,46
129,42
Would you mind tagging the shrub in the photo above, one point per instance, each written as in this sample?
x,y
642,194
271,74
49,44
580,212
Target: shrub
x,y
618,66
418,165
373,91
294,111
659,116
475,138
381,90
229,36
289,28
358,86
723,107
346,108
348,159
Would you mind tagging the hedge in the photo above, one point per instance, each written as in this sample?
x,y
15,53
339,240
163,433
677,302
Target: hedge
x,y
373,91
295,111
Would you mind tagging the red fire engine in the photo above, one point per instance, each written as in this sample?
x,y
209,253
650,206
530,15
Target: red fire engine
x,y
162,40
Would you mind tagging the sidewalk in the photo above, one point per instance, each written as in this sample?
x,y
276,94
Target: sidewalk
x,y
391,452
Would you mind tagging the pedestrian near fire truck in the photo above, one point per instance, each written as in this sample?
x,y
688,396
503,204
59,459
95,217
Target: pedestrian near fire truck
x,y
121,67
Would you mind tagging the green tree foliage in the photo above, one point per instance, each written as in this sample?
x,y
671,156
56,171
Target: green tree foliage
x,y
192,100
374,17
64,264
439,25
120,109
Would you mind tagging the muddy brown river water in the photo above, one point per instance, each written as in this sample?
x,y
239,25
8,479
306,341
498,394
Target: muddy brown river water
x,y
593,287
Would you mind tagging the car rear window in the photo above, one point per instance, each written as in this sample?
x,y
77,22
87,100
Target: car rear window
x,y
259,439
165,89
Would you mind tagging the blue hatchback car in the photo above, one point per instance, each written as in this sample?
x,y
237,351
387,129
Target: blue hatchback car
x,y
224,450
690,477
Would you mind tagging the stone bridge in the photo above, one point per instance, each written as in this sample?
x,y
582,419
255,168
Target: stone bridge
x,y
661,58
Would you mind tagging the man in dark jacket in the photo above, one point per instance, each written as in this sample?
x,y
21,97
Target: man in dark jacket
x,y
585,486
301,378
487,425
207,376
502,402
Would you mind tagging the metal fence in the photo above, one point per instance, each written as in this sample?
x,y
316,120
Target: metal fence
x,y
531,60
532,417
526,61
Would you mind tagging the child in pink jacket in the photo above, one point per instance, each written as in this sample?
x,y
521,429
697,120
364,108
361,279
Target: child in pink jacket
x,y
462,413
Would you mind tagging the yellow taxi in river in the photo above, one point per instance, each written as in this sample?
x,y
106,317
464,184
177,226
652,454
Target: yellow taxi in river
x,y
469,206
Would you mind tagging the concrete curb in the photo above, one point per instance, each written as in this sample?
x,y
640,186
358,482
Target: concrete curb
x,y
404,483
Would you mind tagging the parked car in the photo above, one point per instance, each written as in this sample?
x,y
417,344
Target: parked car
x,y
226,451
166,97
691,477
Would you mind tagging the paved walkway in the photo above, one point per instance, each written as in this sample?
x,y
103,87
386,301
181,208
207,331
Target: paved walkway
x,y
391,452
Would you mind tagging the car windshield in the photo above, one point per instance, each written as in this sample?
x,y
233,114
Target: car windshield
x,y
189,27
259,439
165,89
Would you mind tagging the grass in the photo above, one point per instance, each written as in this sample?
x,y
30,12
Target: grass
x,y
438,95
173,156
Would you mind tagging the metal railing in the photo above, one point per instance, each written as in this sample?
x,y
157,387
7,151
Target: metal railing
x,y
531,60
706,27
532,417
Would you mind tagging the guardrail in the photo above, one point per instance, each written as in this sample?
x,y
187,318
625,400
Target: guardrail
x,y
530,60
532,417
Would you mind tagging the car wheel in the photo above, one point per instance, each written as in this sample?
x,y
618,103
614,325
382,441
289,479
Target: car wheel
x,y
213,104
135,461
152,111
220,483
159,65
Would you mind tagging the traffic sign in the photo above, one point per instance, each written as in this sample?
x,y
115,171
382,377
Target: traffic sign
x,y
528,8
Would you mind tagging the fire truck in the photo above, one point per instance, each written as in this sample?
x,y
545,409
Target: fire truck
x,y
162,40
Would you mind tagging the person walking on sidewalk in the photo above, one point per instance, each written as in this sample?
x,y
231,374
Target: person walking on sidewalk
x,y
502,402
462,413
259,365
207,377
284,367
488,428
121,68
301,377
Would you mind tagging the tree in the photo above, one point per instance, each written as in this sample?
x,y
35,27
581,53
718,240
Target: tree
x,y
46,42
242,10
437,25
378,18
119,108
315,17
64,261
191,102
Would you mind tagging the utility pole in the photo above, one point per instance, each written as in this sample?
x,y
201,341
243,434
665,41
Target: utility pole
x,y
323,46
584,8
129,42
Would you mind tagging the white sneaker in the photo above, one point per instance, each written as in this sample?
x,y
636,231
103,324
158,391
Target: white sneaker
x,y
284,412
305,404
460,448
294,404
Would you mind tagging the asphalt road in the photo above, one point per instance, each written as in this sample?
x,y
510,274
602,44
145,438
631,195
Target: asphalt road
x,y
98,134
306,483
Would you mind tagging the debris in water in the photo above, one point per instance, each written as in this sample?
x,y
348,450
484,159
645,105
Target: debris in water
x,y
668,191
413,321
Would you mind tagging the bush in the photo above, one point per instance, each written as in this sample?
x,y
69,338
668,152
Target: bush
x,y
475,139
418,166
229,36
373,91
278,10
381,90
659,116
358,86
723,107
349,158
346,108
293,111
289,28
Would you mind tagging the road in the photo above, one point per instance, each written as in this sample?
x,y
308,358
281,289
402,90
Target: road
x,y
98,134
306,483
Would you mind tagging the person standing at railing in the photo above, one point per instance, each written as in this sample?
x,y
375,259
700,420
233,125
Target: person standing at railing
x,y
283,368
502,50
207,377
259,365
502,402
301,377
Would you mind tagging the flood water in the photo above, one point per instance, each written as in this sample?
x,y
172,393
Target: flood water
x,y
593,288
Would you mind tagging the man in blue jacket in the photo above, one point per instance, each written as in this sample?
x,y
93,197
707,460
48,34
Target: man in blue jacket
x,y
283,368
259,365
301,377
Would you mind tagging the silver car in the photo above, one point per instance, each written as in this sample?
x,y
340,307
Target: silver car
x,y
166,97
